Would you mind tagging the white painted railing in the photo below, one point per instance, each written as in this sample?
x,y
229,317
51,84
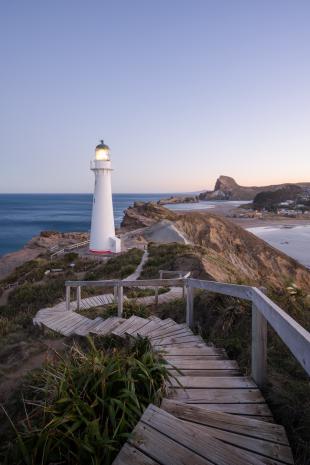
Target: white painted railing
x,y
68,248
264,311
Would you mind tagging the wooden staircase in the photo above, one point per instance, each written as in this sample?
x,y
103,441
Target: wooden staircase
x,y
212,414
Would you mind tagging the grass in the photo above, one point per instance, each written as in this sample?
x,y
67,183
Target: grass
x,y
134,293
82,408
118,267
129,309
164,257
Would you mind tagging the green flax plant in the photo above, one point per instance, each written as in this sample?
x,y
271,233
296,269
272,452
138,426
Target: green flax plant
x,y
82,407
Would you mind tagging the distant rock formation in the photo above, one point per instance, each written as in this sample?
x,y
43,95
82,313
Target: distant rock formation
x,y
226,188
179,199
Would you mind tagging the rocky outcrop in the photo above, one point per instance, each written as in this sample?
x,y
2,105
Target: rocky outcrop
x,y
179,199
145,214
226,188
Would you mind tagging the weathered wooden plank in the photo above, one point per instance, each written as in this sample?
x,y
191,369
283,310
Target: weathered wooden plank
x,y
136,326
217,396
173,333
258,448
204,364
129,455
176,340
257,410
174,351
227,422
208,382
193,437
186,372
162,449
109,325
163,330
124,327
175,359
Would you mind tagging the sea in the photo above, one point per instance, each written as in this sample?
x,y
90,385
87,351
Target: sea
x,y
23,216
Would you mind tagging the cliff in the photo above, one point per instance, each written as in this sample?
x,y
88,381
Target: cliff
x,y
226,188
228,252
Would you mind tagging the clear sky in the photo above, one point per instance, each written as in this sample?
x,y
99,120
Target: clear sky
x,y
181,90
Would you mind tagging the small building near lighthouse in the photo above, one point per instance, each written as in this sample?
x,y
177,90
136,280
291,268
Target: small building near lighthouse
x,y
102,234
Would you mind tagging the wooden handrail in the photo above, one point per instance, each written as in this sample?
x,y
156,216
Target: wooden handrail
x,y
264,311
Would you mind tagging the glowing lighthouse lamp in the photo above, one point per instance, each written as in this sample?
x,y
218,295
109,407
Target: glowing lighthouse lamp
x,y
102,234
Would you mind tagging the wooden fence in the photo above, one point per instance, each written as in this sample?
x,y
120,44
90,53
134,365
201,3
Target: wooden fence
x,y
264,312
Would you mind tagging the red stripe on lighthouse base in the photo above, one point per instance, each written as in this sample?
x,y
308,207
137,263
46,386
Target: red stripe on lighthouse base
x,y
100,252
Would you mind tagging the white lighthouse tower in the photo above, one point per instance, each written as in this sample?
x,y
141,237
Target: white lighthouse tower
x,y
102,234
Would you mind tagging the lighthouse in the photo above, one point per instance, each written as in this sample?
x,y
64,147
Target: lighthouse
x,y
102,234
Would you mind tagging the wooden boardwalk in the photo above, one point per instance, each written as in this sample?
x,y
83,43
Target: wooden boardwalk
x,y
211,415
69,322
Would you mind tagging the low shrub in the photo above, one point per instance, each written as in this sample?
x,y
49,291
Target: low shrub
x,y
82,408
129,309
135,292
116,267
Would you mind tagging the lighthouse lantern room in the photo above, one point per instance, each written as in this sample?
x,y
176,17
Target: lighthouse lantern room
x,y
102,234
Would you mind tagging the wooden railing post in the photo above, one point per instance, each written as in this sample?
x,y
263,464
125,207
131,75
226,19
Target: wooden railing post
x,y
156,296
120,300
78,297
189,306
115,294
259,347
160,274
68,295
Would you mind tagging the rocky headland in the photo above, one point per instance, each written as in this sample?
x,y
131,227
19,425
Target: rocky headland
x,y
226,188
227,252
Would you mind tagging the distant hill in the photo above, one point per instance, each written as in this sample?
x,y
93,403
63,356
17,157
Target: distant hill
x,y
226,188
269,199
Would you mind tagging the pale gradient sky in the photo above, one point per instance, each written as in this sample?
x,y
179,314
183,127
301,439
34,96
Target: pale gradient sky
x,y
181,90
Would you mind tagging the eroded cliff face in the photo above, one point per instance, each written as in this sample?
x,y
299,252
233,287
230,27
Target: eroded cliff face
x,y
231,253
228,252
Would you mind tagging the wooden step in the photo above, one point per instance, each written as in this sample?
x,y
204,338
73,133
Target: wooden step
x,y
208,382
262,439
108,325
169,440
133,322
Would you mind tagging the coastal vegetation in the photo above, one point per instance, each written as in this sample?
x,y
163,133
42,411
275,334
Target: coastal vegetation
x,y
81,407
130,308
